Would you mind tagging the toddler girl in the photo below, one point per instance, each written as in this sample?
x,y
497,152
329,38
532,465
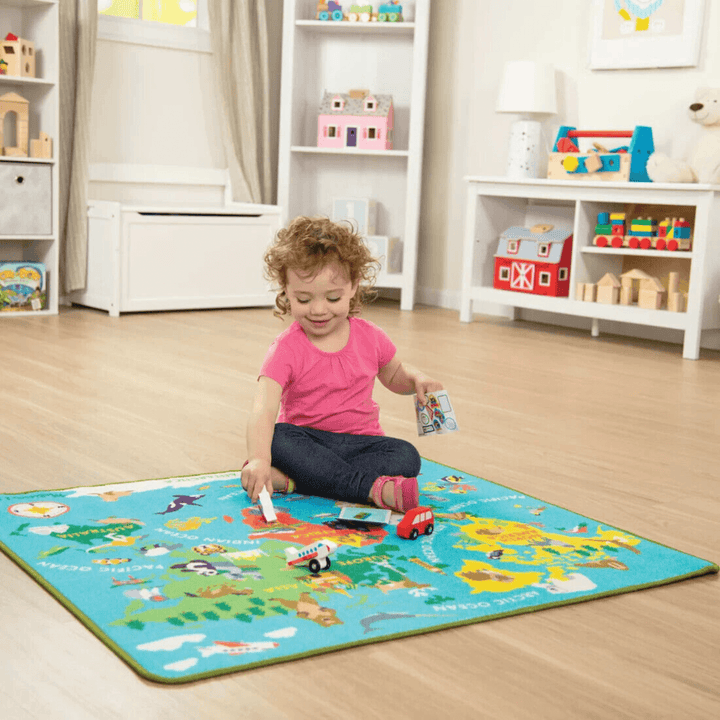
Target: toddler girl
x,y
320,372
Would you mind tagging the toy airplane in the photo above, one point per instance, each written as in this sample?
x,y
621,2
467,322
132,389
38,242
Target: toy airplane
x,y
315,555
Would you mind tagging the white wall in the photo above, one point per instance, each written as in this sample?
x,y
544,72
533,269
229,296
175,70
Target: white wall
x,y
465,136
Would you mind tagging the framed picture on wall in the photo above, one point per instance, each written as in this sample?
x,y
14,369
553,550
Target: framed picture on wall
x,y
645,33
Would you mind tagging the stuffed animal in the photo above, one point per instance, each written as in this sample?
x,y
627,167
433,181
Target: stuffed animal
x,y
703,162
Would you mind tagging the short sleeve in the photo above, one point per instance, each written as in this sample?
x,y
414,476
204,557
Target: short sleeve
x,y
278,364
386,347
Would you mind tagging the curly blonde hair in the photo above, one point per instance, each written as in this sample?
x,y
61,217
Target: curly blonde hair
x,y
308,245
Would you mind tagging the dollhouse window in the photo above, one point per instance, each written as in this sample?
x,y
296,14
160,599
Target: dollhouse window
x,y
373,133
513,247
338,103
563,274
543,250
505,273
370,105
333,131
544,279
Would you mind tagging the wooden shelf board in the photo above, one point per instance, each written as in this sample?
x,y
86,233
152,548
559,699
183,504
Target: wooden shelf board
x,y
311,150
569,306
679,254
347,26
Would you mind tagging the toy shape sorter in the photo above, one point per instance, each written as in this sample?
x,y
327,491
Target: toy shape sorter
x,y
23,286
534,260
356,120
622,163
644,233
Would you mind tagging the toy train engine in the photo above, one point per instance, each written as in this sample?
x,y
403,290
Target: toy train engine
x,y
644,233
330,11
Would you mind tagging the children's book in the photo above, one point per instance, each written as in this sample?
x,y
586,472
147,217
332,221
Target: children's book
x,y
361,513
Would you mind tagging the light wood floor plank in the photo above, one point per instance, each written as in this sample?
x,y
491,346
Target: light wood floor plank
x,y
619,430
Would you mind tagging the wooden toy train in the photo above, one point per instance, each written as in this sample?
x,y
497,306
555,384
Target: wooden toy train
x,y
643,233
390,11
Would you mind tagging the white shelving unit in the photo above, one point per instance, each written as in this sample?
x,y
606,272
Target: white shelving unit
x,y
36,20
384,58
494,204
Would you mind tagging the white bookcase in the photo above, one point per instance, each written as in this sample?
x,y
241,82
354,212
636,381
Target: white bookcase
x,y
37,21
384,58
495,204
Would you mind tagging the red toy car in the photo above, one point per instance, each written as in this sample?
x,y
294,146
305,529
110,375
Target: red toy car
x,y
416,521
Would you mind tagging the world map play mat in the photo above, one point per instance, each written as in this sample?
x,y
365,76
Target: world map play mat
x,y
184,579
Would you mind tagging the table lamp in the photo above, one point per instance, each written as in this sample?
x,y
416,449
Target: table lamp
x,y
528,89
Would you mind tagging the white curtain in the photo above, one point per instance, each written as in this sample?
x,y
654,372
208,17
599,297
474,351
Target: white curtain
x,y
239,37
78,34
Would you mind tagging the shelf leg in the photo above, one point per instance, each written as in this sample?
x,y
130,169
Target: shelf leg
x,y
595,329
691,343
466,307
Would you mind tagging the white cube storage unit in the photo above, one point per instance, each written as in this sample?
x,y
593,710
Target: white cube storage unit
x,y
494,204
168,258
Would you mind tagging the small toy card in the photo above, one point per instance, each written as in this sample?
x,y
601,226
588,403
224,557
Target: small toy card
x,y
438,416
361,513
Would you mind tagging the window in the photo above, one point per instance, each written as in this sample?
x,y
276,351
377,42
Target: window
x,y
543,249
505,273
338,103
180,24
563,274
333,131
544,279
370,104
513,247
373,134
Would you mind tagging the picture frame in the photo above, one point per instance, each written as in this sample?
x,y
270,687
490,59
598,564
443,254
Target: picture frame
x,y
630,34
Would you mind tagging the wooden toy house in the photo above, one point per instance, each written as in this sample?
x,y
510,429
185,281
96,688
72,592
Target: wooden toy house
x,y
534,262
18,55
356,119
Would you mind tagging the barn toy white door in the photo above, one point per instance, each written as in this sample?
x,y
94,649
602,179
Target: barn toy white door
x,y
522,276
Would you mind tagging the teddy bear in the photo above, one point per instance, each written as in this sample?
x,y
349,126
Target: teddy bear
x,y
703,162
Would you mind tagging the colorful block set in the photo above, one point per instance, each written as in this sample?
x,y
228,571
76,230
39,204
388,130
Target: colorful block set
x,y
644,233
390,11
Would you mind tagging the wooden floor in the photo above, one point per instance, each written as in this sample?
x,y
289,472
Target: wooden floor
x,y
619,430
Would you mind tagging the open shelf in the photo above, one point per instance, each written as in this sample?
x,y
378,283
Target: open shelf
x,y
496,204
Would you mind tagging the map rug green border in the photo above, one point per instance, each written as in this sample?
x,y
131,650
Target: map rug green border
x,y
184,579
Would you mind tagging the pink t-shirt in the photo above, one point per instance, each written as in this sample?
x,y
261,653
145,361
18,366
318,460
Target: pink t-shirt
x,y
330,390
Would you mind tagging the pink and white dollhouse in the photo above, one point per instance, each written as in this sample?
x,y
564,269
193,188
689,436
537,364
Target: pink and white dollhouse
x,y
535,260
356,120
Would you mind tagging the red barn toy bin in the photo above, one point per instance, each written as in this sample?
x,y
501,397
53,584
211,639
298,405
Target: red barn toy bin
x,y
534,260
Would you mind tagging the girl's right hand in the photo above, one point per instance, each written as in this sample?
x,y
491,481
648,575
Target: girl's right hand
x,y
255,476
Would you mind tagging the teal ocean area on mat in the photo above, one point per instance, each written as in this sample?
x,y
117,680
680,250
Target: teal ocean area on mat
x,y
184,579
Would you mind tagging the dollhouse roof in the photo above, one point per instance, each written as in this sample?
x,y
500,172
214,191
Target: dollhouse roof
x,y
355,105
528,245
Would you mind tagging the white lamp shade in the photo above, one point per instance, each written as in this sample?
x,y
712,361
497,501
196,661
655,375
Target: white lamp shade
x,y
527,87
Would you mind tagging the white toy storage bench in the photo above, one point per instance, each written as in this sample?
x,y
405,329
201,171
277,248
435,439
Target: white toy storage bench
x,y
167,257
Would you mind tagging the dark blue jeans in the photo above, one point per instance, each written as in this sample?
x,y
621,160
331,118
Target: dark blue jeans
x,y
340,466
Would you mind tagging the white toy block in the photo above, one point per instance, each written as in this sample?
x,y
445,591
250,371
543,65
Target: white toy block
x,y
362,212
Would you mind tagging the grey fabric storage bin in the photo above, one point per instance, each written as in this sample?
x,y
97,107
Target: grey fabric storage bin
x,y
25,198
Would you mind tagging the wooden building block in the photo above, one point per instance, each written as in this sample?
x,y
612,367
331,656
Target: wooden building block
x,y
41,148
589,293
676,302
626,295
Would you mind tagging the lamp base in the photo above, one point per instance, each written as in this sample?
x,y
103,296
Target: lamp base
x,y
526,152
